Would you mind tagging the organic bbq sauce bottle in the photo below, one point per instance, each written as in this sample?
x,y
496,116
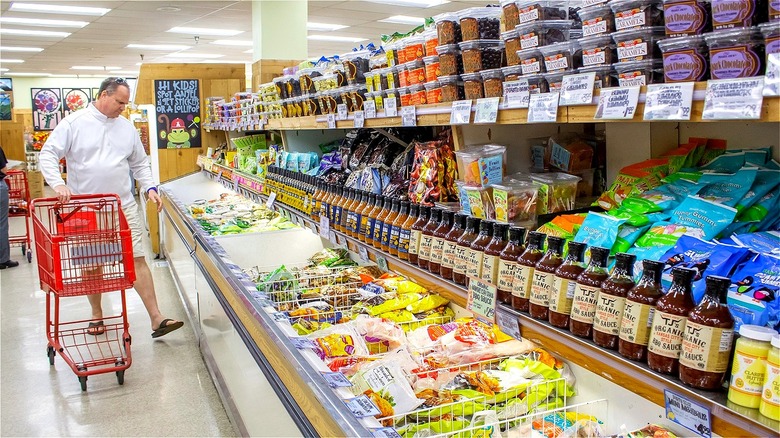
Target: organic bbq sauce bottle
x,y
586,294
450,244
372,215
461,251
707,339
612,301
387,225
476,251
364,212
492,252
395,227
521,284
379,223
639,310
416,232
426,238
507,263
671,312
564,285
437,245
406,232
544,279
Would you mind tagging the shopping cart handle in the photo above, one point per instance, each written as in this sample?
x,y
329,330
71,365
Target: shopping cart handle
x,y
100,199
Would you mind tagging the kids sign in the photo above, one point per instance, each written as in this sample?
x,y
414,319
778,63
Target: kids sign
x,y
177,102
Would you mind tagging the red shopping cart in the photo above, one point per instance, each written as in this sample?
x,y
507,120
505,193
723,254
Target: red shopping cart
x,y
84,247
19,206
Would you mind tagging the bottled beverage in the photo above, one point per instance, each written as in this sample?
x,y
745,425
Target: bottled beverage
x,y
416,232
326,208
461,254
521,284
387,225
317,202
507,263
395,227
437,244
707,339
406,232
565,284
353,213
449,251
544,279
639,311
476,252
338,209
493,252
426,238
612,302
671,312
586,294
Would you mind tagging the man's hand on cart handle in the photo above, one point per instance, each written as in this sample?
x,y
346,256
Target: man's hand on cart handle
x,y
154,197
63,193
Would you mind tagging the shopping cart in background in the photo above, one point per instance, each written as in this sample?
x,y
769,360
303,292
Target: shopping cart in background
x,y
19,206
84,247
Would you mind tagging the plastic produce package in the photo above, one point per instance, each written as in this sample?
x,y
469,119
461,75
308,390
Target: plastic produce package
x,y
482,165
339,341
754,295
386,384
570,153
557,192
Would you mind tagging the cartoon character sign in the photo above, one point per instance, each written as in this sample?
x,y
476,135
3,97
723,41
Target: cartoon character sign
x,y
177,135
177,102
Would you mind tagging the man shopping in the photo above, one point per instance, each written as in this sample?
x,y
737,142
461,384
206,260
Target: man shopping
x,y
101,149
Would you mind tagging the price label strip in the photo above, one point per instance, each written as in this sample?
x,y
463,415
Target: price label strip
x,y
336,380
369,107
772,77
734,99
363,253
391,110
361,406
270,201
688,413
617,103
508,324
461,112
331,121
543,108
482,300
516,93
324,227
409,116
577,89
669,101
359,119
385,432
341,109
487,110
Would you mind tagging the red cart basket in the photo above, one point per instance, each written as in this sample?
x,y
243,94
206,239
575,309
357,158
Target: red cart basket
x,y
84,247
19,206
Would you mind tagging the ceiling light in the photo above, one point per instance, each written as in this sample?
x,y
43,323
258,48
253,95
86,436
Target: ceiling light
x,y
404,19
252,51
341,39
168,9
42,22
205,31
11,61
20,49
57,9
242,43
40,33
412,3
94,67
166,47
29,74
3,69
130,73
194,55
324,27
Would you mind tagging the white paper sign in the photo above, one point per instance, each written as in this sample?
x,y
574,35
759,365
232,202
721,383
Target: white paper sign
x,y
385,432
669,101
739,99
516,93
361,406
688,413
341,109
408,116
461,112
331,121
382,263
487,110
270,201
280,317
336,380
577,89
772,78
617,103
333,238
302,343
363,253
391,110
359,119
369,106
508,324
324,227
543,108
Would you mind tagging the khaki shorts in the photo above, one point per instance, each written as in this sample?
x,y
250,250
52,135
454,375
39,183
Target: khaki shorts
x,y
136,229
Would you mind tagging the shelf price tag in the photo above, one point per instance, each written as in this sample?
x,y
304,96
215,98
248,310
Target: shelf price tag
x,y
382,263
331,121
333,238
543,108
687,413
280,317
577,89
336,380
508,324
362,406
772,77
369,106
391,110
341,109
516,93
487,110
408,116
302,343
360,119
482,300
669,101
385,432
270,201
313,227
363,253
617,103
324,227
461,112
734,99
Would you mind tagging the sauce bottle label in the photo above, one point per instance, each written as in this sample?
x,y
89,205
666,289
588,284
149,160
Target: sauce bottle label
x,y
370,225
395,233
562,295
542,288
747,374
609,312
771,393
474,263
490,269
356,221
351,220
448,254
437,250
521,285
506,273
636,321
378,226
706,348
414,241
425,247
363,225
386,227
583,306
461,259
666,334
404,237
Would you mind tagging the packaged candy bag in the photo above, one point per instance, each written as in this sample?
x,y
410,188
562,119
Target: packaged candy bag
x,y
727,189
599,229
626,237
710,217
767,242
726,163
632,180
766,180
662,198
689,174
706,258
754,294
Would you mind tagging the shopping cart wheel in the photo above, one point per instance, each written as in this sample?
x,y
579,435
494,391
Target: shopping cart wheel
x,y
120,377
50,353
83,381
29,255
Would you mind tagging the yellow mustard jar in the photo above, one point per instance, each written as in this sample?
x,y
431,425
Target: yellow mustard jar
x,y
749,365
770,397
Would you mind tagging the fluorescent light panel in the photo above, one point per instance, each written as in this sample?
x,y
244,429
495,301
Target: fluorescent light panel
x,y
20,49
94,67
166,47
39,33
43,22
57,9
11,61
194,55
3,69
249,51
241,43
335,38
29,74
404,19
324,27
412,3
205,31
127,72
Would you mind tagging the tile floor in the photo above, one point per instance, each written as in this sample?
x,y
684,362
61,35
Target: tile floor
x,y
167,389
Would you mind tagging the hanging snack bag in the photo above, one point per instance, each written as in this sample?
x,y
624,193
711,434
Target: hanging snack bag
x,y
710,217
727,189
634,179
754,295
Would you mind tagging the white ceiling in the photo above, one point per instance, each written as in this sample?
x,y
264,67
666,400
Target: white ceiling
x,y
103,41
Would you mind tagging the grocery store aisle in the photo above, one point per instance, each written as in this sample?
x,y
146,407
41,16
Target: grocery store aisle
x,y
167,389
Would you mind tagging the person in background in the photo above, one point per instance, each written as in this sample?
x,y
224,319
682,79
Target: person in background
x,y
5,247
101,149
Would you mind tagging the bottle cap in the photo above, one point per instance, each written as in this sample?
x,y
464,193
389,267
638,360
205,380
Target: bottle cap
x,y
598,256
486,227
576,250
536,238
757,332
555,244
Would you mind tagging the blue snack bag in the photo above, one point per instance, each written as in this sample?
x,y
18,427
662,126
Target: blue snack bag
x,y
626,237
766,180
710,217
599,230
754,294
766,242
727,189
662,198
726,163
706,258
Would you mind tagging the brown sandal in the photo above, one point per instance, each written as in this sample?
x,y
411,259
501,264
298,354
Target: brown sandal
x,y
96,328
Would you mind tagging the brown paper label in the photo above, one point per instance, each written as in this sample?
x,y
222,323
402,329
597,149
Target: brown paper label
x,y
609,312
461,259
562,295
521,285
583,306
542,288
666,334
448,254
506,274
425,247
474,264
706,348
414,242
490,269
437,249
636,321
